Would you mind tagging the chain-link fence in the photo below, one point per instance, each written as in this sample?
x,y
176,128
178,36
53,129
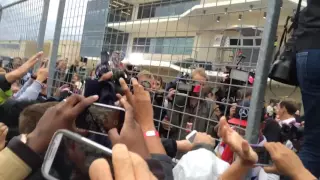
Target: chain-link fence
x,y
201,58
22,30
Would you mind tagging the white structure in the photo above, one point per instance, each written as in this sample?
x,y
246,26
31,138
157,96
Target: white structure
x,y
175,30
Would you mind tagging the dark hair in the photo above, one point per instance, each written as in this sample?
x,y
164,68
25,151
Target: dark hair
x,y
31,115
206,90
244,93
290,106
159,78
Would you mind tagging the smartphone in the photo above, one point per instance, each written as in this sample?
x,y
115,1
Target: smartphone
x,y
191,136
70,155
264,158
114,115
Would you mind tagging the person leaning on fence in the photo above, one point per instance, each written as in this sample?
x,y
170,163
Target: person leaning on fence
x,y
73,69
59,74
158,83
188,116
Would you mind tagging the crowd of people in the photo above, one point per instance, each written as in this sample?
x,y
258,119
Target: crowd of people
x,y
30,117
151,141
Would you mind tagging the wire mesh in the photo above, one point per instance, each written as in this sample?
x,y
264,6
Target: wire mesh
x,y
19,29
166,41
206,51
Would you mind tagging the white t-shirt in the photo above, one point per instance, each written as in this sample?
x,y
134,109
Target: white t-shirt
x,y
287,121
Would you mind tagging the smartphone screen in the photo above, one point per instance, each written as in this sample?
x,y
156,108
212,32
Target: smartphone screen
x,y
113,116
191,136
264,158
70,158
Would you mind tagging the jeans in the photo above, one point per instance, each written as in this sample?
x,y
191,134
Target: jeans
x,y
308,72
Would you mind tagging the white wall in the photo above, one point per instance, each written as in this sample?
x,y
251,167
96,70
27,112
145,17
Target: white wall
x,y
204,47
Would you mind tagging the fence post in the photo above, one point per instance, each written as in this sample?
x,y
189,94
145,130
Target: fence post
x,y
263,66
42,27
55,46
0,12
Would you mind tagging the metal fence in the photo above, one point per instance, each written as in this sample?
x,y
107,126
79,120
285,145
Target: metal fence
x,y
22,28
232,40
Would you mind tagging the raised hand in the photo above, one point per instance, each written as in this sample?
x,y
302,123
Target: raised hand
x,y
23,69
131,134
61,116
126,164
143,114
42,74
237,144
286,162
141,102
3,134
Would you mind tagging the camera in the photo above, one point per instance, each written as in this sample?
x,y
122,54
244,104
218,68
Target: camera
x,y
185,87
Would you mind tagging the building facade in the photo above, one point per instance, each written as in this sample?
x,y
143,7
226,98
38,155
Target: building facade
x,y
214,31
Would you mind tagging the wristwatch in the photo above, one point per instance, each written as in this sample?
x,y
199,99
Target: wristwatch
x,y
151,133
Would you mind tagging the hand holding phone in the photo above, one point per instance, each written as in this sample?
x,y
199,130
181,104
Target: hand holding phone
x,y
286,162
200,138
113,116
61,116
264,158
191,136
69,156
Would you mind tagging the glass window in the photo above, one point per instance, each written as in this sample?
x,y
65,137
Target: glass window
x,y
120,13
153,45
258,42
247,42
235,42
115,40
159,45
166,46
165,8
163,45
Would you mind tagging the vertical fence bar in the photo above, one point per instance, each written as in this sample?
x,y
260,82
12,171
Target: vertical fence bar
x,y
0,12
43,24
42,27
55,45
262,70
